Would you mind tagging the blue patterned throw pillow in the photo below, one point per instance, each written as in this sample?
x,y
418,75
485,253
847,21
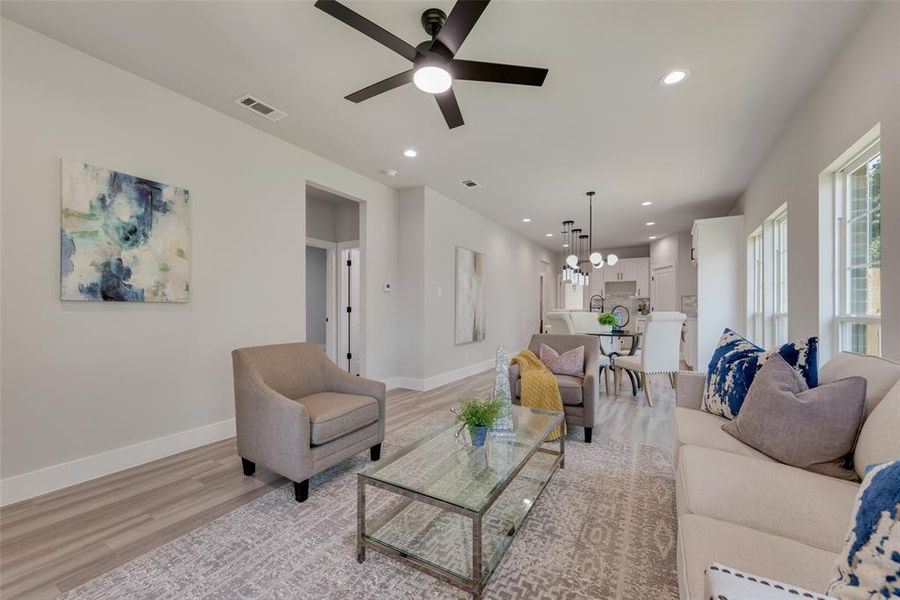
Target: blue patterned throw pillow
x,y
736,361
869,565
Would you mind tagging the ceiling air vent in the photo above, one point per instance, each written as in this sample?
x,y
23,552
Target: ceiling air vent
x,y
470,184
261,108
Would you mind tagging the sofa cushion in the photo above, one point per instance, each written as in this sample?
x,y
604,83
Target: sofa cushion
x,y
332,415
814,429
768,496
734,365
703,541
570,389
881,374
879,441
869,565
570,362
699,428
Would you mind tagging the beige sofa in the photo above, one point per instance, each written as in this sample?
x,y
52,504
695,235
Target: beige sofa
x,y
740,508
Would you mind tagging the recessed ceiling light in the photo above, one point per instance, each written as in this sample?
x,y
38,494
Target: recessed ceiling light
x,y
647,203
410,153
526,220
673,77
565,245
652,237
649,223
548,234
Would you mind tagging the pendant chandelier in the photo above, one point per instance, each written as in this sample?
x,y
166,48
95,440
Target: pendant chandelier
x,y
580,248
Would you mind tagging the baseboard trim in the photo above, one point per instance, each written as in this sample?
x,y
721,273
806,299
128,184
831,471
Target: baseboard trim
x,y
429,383
48,479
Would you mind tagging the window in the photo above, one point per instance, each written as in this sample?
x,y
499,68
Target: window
x,y
780,265
767,281
756,316
858,210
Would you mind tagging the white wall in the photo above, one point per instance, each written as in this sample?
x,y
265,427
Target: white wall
x,y
861,90
81,379
432,226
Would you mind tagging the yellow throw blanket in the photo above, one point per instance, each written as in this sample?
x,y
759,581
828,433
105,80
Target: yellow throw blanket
x,y
539,386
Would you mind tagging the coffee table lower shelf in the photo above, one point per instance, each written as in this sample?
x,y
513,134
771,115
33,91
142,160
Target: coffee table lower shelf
x,y
459,546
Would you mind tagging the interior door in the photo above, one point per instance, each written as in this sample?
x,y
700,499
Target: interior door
x,y
663,294
350,329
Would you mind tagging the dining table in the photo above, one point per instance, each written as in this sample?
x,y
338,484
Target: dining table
x,y
635,337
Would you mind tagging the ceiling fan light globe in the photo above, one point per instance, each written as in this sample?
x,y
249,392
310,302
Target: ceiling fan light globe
x,y
596,259
433,80
572,261
612,259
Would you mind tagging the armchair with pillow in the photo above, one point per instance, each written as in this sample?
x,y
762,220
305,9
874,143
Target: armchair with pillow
x,y
580,394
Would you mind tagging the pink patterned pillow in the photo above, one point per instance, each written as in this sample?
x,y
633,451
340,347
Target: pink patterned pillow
x,y
567,363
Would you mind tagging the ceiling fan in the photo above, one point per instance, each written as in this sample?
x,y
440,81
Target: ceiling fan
x,y
434,66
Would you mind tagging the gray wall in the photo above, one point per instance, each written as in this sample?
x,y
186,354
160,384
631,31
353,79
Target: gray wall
x,y
316,283
91,381
331,219
432,226
861,90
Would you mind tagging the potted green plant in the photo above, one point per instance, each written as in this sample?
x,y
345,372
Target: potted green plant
x,y
607,322
479,416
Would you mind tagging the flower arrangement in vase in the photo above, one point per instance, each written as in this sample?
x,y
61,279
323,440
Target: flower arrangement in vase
x,y
479,416
607,322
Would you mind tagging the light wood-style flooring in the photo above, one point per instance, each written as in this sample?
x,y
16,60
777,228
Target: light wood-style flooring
x,y
58,541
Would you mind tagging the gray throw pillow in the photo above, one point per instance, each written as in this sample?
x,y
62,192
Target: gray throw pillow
x,y
814,429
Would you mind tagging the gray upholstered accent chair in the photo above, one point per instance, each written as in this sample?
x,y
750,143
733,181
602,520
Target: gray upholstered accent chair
x,y
580,396
298,413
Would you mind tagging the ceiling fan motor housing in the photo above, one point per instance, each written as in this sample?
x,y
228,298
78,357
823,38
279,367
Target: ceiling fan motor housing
x,y
432,20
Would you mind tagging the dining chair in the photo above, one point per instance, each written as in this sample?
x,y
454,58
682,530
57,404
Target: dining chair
x,y
661,352
585,323
559,322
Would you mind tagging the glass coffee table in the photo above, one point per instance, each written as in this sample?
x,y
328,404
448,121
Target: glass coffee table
x,y
453,509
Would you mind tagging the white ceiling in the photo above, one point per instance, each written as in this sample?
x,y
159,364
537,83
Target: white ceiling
x,y
600,122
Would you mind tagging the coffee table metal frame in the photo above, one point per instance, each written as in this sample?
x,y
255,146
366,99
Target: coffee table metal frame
x,y
474,585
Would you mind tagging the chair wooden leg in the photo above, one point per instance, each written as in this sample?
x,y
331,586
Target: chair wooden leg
x,y
672,380
587,434
249,466
301,490
375,452
606,377
646,383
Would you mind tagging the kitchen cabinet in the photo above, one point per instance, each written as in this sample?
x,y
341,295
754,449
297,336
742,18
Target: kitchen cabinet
x,y
630,269
643,278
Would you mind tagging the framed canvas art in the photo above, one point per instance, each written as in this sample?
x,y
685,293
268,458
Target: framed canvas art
x,y
470,296
122,238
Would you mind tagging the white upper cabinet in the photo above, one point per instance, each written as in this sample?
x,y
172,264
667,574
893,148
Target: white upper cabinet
x,y
629,269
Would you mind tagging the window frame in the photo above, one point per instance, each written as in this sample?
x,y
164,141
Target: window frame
x,y
780,270
756,312
843,316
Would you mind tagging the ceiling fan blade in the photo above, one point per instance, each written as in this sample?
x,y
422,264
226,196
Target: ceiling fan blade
x,y
367,27
449,108
385,85
460,22
473,70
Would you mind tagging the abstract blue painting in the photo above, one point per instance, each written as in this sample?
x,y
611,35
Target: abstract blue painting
x,y
122,238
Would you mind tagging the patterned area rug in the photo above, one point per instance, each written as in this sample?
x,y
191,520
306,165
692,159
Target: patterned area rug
x,y
604,527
